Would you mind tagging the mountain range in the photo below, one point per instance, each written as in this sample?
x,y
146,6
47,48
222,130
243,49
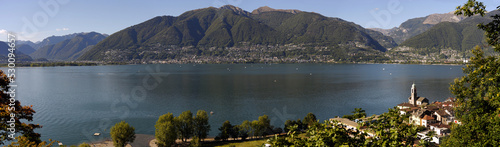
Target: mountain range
x,y
415,26
229,32
230,26
51,40
460,36
68,49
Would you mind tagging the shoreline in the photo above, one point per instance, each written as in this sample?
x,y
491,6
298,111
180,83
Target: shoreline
x,y
63,64
140,140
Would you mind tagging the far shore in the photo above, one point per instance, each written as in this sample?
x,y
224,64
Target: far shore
x,y
72,63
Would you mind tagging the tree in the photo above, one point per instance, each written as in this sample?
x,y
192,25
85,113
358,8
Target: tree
x,y
185,125
245,129
310,119
122,133
277,130
23,141
392,129
225,130
264,125
356,114
9,106
165,130
201,126
300,125
322,134
256,129
477,93
234,133
288,124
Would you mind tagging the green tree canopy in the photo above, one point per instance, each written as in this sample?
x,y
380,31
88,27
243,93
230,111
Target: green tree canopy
x,y
8,108
185,125
165,130
478,92
23,141
122,133
310,119
264,125
201,125
356,114
321,135
225,130
392,129
245,129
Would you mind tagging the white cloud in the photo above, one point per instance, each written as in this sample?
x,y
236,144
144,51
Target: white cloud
x,y
62,29
3,35
3,32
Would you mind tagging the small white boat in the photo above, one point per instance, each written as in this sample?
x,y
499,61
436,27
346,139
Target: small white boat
x,y
97,134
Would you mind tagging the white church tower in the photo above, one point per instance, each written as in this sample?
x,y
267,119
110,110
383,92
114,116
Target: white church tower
x,y
413,97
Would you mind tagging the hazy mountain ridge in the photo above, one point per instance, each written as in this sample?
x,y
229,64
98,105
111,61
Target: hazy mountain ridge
x,y
53,40
25,49
69,49
19,55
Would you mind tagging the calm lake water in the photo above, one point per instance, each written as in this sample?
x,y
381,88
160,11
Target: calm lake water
x,y
72,103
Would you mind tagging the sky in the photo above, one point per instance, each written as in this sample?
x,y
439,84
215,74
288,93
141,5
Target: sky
x,y
37,19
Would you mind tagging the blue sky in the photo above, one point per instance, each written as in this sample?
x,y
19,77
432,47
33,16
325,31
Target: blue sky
x,y
63,17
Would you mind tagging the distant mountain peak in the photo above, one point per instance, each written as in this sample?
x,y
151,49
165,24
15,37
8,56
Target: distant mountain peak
x,y
269,9
446,17
235,9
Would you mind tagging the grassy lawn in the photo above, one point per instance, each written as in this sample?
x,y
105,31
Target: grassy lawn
x,y
237,143
253,143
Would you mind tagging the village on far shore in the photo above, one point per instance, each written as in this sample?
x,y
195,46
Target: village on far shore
x,y
436,116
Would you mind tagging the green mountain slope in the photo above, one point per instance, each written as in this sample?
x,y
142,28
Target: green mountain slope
x,y
230,26
416,26
410,28
65,50
460,36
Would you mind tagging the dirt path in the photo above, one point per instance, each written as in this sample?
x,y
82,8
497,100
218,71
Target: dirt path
x,y
141,140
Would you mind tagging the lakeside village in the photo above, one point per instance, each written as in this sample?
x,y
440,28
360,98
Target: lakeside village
x,y
434,116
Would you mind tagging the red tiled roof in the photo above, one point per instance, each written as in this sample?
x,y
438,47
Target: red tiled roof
x,y
432,108
405,104
447,103
439,125
428,117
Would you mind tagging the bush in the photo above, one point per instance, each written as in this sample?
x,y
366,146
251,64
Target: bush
x,y
84,145
122,133
195,142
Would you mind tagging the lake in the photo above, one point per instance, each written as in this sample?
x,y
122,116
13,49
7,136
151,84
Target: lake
x,y
72,103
